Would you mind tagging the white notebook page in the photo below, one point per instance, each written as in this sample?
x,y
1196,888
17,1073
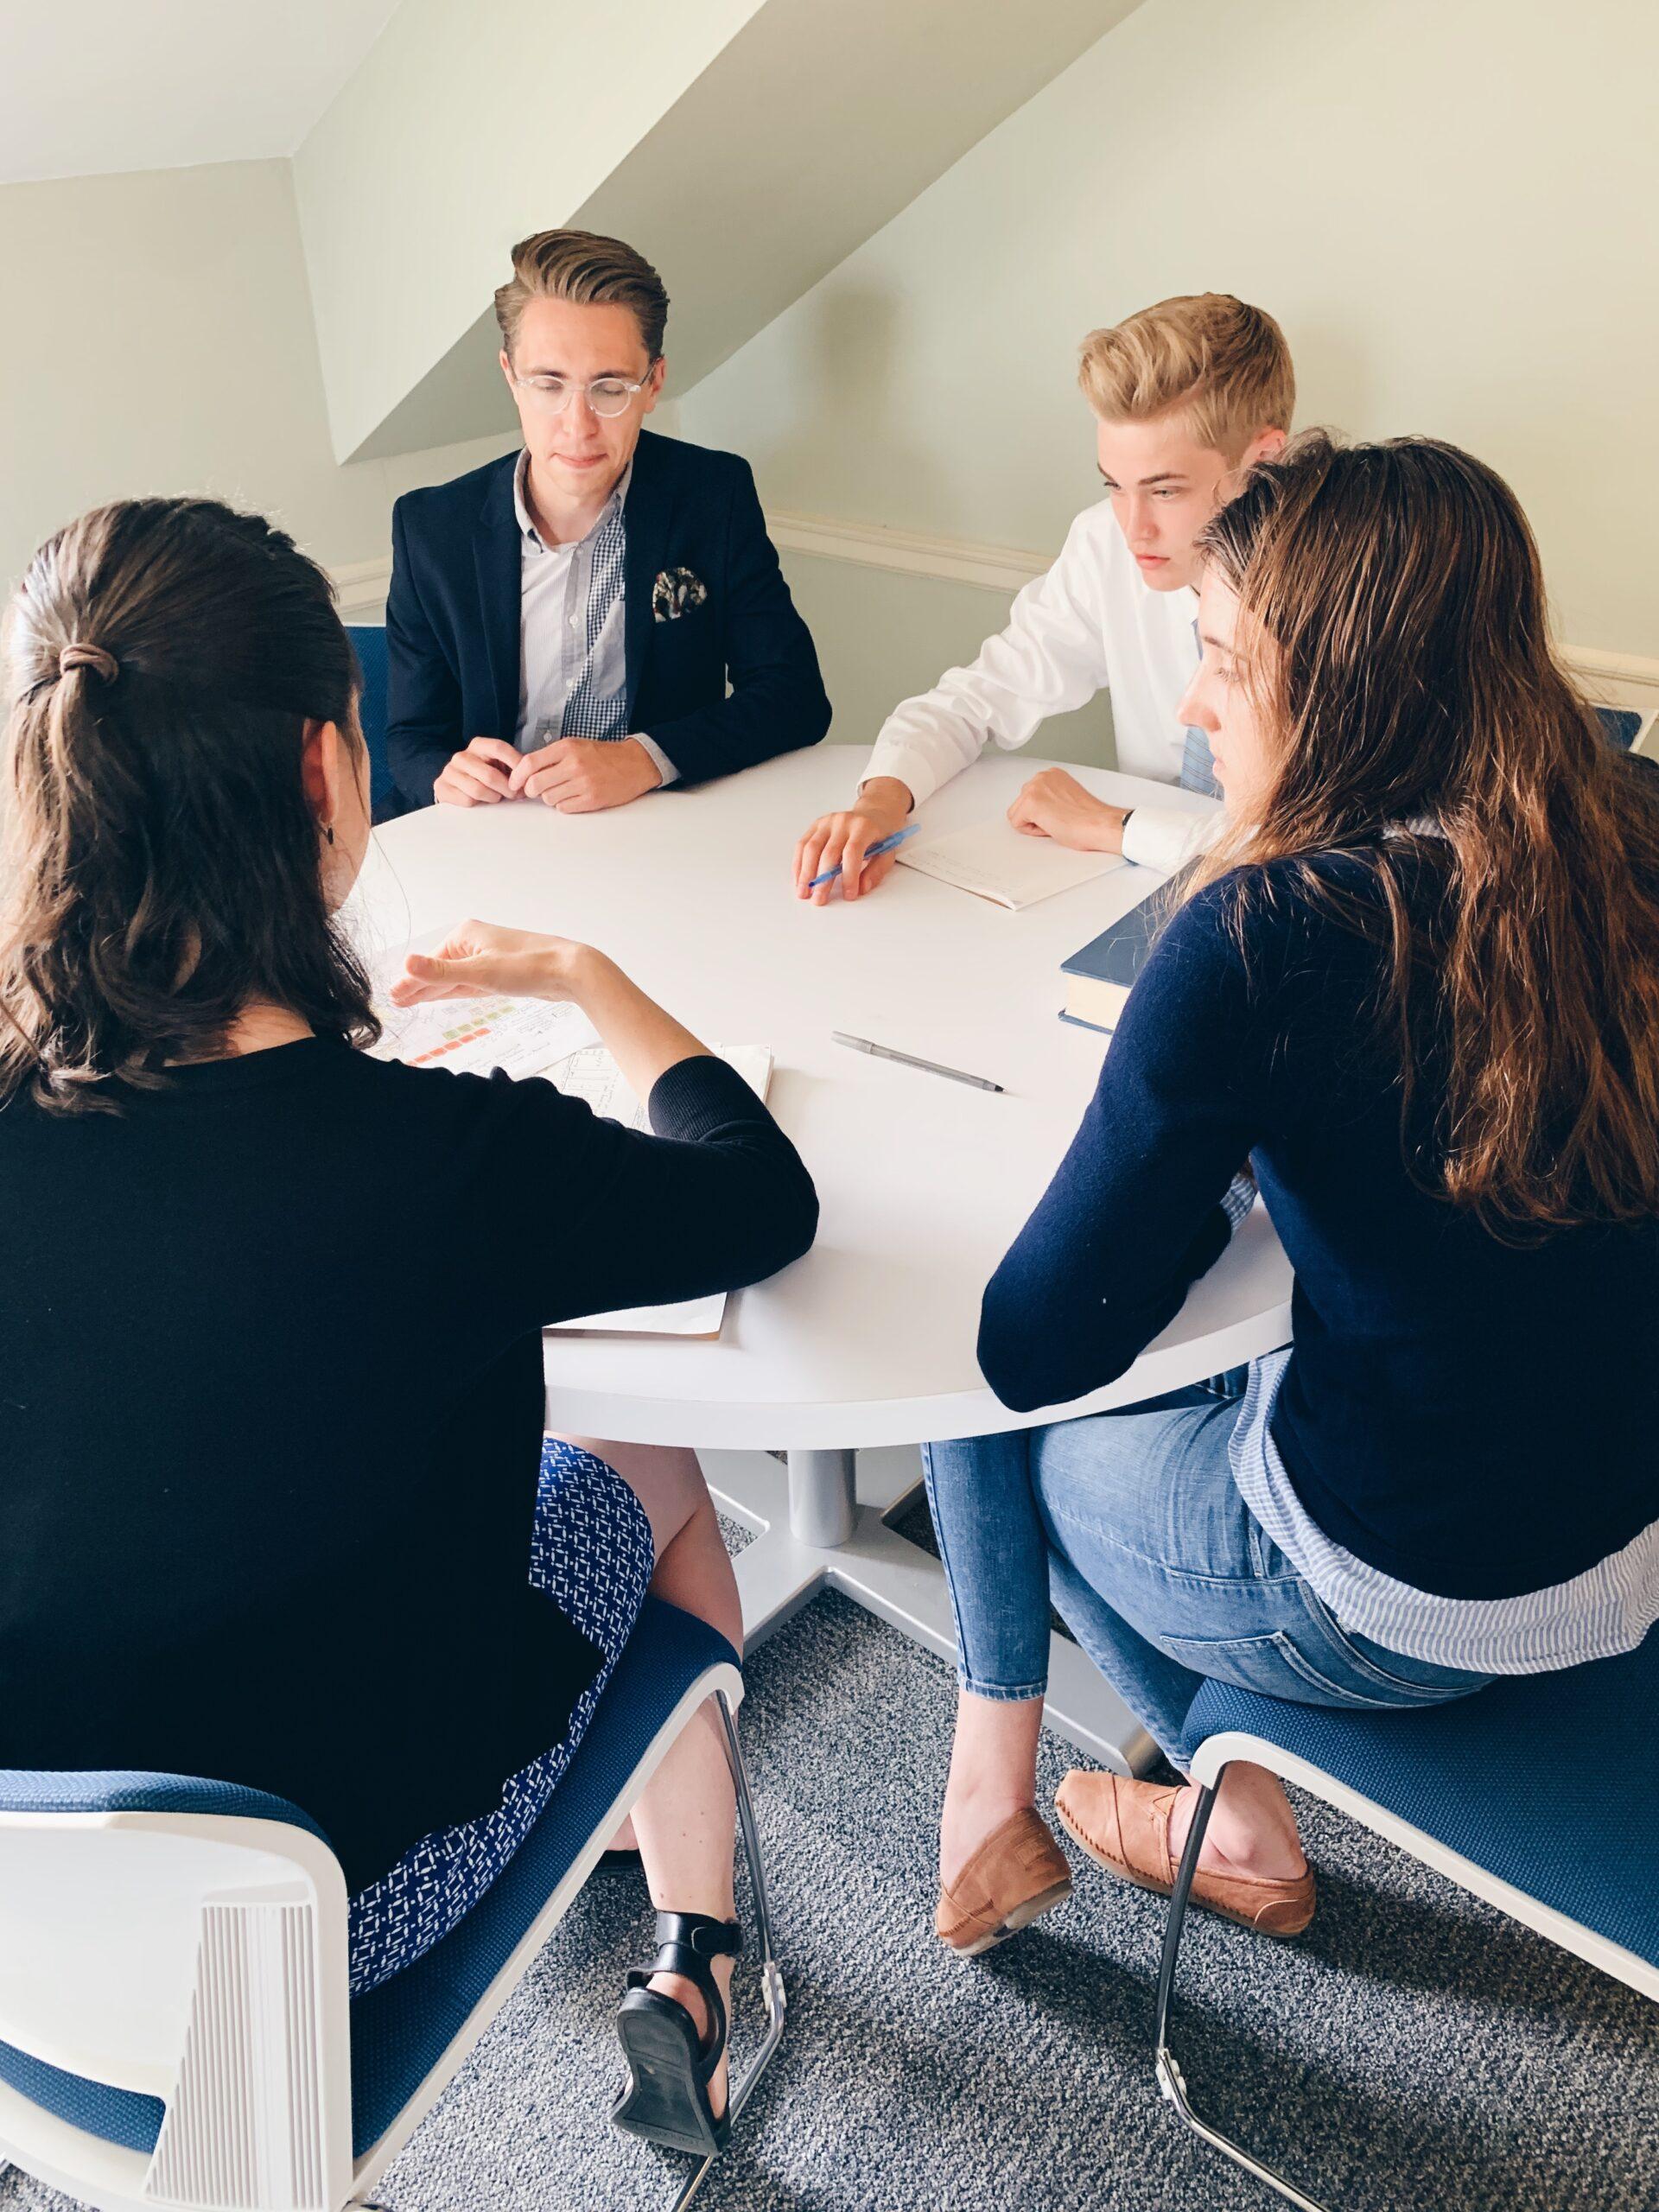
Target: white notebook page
x,y
994,860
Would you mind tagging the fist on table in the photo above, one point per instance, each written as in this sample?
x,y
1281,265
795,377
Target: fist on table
x,y
1055,804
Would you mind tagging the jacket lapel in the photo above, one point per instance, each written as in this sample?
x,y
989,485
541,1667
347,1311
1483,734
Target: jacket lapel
x,y
496,557
647,513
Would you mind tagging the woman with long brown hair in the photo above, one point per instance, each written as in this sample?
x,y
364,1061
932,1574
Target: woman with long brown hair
x,y
271,1399
1416,985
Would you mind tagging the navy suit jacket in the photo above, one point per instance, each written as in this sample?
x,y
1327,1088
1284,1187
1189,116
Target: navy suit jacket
x,y
452,620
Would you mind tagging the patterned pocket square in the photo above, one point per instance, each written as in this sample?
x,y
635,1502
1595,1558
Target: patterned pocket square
x,y
675,593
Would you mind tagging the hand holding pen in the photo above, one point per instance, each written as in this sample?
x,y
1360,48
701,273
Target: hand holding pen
x,y
854,846
871,853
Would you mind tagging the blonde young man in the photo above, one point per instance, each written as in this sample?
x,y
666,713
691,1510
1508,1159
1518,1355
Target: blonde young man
x,y
1186,395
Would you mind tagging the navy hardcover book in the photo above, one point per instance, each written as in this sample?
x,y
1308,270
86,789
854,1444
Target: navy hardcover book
x,y
1101,976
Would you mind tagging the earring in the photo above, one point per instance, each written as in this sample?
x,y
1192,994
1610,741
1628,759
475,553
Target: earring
x,y
328,831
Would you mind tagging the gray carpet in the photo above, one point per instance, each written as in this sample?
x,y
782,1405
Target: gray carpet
x,y
1413,2050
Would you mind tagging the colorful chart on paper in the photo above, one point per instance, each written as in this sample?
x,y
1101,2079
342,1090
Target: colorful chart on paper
x,y
474,1035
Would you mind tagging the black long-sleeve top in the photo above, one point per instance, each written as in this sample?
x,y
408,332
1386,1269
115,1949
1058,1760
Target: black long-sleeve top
x,y
272,1404
1474,1418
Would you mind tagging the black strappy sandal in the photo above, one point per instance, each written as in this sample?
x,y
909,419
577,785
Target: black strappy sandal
x,y
670,2066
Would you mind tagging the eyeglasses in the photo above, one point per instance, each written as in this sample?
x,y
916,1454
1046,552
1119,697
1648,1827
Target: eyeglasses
x,y
610,396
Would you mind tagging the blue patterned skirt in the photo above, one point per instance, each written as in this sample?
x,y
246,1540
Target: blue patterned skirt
x,y
591,1552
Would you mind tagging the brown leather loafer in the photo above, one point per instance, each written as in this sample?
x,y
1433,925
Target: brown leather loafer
x,y
1124,1827
1018,1872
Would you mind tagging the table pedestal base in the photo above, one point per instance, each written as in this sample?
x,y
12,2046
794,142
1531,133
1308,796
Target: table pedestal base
x,y
824,1527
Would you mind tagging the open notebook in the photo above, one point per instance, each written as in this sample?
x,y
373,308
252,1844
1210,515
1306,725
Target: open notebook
x,y
592,1074
994,860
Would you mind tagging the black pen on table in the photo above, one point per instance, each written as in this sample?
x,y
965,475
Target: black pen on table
x,y
910,1060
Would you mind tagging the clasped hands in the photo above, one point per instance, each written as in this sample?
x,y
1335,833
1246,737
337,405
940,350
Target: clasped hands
x,y
577,775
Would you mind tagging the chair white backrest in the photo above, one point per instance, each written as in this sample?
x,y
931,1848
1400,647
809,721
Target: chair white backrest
x,y
154,1948
195,1958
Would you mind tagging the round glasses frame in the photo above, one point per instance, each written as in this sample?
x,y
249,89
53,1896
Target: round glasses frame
x,y
607,396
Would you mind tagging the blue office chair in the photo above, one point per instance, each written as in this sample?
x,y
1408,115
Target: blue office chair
x,y
368,641
1505,1793
175,2022
1622,726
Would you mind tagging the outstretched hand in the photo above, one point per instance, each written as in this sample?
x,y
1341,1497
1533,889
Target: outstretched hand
x,y
480,958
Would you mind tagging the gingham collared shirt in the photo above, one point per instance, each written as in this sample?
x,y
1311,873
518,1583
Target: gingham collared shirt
x,y
554,583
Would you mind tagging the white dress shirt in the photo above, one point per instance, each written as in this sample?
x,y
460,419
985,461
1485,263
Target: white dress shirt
x,y
554,581
1089,625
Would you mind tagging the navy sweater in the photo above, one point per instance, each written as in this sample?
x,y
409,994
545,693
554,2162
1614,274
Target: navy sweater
x,y
271,1405
1473,1418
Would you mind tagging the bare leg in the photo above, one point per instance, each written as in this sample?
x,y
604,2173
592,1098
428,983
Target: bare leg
x,y
1252,1830
992,1774
686,1822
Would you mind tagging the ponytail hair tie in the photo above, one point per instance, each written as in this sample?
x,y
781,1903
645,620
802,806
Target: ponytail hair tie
x,y
92,657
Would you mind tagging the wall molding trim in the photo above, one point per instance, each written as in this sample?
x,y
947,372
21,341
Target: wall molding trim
x,y
907,552
360,588
1618,679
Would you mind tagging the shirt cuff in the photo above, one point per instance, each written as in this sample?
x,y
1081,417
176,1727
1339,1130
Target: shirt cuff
x,y
1238,1198
665,767
1157,837
913,770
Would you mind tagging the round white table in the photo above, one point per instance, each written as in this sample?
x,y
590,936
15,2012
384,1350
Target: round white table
x,y
866,1343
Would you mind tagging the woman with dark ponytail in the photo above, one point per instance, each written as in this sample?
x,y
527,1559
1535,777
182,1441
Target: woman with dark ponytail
x,y
1416,985
164,867
271,1382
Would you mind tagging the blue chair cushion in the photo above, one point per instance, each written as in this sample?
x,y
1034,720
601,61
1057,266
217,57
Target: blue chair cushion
x,y
123,2116
1535,1779
125,1790
400,2030
1619,726
368,641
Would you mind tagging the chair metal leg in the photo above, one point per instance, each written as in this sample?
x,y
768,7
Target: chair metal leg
x,y
1170,2079
771,1981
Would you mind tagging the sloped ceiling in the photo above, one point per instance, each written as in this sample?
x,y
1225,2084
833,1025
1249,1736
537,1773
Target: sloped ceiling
x,y
810,128
103,87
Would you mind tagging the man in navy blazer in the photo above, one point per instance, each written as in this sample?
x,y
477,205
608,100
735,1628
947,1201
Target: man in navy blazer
x,y
563,623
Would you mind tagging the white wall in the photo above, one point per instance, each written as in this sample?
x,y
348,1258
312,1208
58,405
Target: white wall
x,y
157,337
881,636
1447,203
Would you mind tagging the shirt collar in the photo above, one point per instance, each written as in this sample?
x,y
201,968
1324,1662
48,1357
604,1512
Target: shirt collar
x,y
530,538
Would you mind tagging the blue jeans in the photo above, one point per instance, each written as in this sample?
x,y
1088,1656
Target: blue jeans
x,y
1133,1523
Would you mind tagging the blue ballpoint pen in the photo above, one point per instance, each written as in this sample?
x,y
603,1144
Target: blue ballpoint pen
x,y
871,853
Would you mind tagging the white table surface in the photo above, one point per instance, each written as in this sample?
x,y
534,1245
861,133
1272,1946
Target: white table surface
x,y
924,1183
